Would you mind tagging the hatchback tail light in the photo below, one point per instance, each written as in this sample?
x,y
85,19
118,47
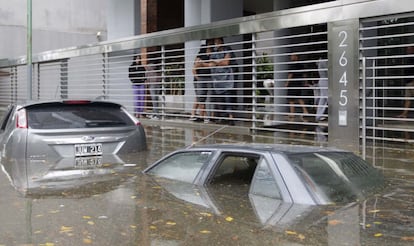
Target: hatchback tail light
x,y
21,120
135,120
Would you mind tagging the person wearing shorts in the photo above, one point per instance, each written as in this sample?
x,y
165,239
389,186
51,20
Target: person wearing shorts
x,y
137,76
223,80
409,91
202,81
294,86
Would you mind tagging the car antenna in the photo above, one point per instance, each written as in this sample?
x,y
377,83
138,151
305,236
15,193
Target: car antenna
x,y
209,135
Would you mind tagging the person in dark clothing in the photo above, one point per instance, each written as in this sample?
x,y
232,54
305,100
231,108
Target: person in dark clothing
x,y
153,76
294,84
409,91
223,77
137,78
202,80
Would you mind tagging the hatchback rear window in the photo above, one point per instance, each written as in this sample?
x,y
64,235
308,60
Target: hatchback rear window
x,y
342,177
62,116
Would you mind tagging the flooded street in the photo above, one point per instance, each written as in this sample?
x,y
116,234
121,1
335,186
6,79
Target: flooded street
x,y
114,204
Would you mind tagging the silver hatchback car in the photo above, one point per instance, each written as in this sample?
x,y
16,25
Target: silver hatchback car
x,y
46,132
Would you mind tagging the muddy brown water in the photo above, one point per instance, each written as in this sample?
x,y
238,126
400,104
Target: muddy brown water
x,y
116,205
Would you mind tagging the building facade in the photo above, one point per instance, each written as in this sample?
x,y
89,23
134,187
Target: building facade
x,y
364,44
61,24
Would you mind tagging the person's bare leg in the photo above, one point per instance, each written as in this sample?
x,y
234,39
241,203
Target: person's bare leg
x,y
302,103
202,109
194,111
304,109
292,109
404,114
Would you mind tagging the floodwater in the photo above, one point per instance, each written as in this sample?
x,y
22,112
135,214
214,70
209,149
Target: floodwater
x,y
114,204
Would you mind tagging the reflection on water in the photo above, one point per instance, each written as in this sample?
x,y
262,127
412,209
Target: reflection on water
x,y
109,202
262,210
44,176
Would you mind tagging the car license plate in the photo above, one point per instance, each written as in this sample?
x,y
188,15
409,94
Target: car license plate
x,y
88,149
88,162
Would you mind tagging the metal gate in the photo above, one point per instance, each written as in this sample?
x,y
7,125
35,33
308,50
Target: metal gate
x,y
387,69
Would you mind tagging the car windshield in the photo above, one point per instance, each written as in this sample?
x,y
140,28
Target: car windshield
x,y
62,116
342,177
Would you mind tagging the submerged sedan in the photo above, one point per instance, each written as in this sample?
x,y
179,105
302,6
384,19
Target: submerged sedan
x,y
293,174
81,130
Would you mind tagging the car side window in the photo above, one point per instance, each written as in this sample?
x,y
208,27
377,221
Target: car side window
x,y
181,166
264,183
234,169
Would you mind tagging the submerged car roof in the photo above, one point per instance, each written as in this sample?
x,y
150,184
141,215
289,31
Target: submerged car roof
x,y
280,148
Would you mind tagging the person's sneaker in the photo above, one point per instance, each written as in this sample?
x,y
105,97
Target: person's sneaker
x,y
206,121
155,117
192,118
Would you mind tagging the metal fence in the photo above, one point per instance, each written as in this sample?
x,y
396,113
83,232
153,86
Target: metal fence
x,y
278,66
387,52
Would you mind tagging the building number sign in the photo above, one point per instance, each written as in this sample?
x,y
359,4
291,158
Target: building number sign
x,y
344,86
343,81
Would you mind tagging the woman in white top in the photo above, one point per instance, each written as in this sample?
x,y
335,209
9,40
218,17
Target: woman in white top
x,y
323,89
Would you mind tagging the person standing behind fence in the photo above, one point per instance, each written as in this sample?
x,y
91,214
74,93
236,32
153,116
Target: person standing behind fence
x,y
409,80
202,80
223,77
153,76
137,78
323,90
294,84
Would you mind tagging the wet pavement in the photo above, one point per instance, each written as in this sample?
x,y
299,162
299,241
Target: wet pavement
x,y
112,203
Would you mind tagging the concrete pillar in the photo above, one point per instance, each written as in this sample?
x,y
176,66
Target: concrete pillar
x,y
198,12
129,24
280,78
193,15
222,10
123,20
148,16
